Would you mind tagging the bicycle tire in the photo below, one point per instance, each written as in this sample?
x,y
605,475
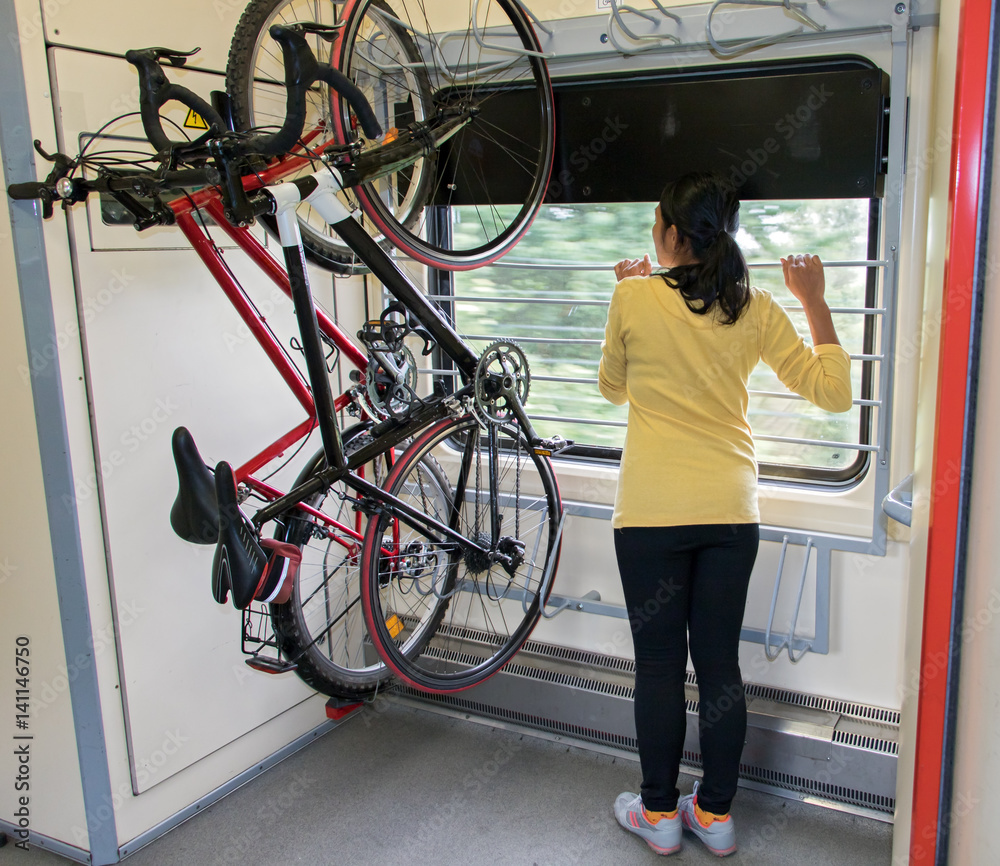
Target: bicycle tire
x,y
341,662
404,577
496,169
253,75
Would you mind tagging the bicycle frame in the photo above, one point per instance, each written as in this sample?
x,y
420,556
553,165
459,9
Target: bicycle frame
x,y
209,201
315,395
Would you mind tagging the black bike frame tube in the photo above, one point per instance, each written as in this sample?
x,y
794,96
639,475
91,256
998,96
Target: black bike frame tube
x,y
494,470
312,348
382,441
417,518
368,251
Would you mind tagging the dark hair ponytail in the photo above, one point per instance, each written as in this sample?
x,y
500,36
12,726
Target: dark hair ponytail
x,y
706,212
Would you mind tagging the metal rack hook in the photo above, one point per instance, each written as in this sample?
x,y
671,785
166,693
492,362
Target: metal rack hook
x,y
508,49
797,9
787,640
615,17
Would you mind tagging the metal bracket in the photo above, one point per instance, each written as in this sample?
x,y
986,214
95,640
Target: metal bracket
x,y
898,502
797,9
615,18
789,639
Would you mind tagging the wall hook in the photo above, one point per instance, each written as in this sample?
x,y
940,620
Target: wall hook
x,y
797,9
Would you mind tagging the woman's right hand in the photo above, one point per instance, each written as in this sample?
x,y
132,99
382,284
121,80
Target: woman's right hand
x,y
634,268
804,278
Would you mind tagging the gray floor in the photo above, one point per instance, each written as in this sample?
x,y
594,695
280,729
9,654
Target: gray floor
x,y
401,785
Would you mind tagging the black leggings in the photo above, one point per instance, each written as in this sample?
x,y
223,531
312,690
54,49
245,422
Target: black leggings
x,y
681,583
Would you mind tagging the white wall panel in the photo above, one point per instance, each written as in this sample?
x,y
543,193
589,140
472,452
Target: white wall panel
x,y
115,26
164,348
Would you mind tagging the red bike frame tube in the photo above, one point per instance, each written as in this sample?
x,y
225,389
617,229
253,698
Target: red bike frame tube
x,y
208,200
948,518
204,246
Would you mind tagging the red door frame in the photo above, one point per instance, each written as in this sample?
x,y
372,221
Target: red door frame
x,y
947,517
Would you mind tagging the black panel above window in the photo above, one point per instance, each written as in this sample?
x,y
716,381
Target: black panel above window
x,y
777,131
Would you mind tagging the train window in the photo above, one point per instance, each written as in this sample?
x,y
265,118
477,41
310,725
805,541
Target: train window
x,y
553,300
802,141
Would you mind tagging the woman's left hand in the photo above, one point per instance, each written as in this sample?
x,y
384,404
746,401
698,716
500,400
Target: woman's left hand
x,y
634,268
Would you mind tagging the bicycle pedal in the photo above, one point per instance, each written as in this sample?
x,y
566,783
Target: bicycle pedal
x,y
269,665
240,563
550,447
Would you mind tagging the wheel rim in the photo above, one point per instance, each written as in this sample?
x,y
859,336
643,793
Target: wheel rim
x,y
264,94
496,168
489,614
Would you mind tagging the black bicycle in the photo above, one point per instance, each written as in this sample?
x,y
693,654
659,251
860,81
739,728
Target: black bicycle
x,y
463,516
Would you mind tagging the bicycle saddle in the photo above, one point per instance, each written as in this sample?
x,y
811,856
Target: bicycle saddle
x,y
240,563
195,512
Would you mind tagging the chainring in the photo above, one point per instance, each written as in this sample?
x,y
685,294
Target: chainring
x,y
502,377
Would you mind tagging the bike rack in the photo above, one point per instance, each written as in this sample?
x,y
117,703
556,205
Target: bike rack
x,y
788,640
507,49
615,18
797,9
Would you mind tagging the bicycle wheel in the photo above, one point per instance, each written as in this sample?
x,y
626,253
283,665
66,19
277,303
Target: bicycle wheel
x,y
321,627
255,83
489,178
409,572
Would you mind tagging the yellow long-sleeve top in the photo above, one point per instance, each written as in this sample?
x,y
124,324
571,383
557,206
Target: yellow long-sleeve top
x,y
688,456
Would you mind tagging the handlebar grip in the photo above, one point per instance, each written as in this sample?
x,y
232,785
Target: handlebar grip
x,y
301,70
155,90
29,190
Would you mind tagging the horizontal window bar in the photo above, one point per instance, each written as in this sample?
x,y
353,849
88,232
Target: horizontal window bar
x,y
547,340
819,443
581,302
588,266
567,379
498,299
788,395
566,420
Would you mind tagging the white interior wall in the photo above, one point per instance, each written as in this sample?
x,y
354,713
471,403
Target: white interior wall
x,y
28,603
148,633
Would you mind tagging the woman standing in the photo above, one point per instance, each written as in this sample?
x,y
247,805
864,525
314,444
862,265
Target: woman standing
x,y
679,347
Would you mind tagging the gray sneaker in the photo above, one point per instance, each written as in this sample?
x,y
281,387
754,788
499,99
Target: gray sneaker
x,y
719,836
664,837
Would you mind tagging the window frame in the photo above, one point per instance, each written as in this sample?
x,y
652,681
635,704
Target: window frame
x,y
441,286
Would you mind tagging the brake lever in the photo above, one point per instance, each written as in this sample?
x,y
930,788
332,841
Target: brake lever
x,y
326,32
172,56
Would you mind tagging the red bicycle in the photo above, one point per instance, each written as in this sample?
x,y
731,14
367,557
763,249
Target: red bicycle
x,y
421,542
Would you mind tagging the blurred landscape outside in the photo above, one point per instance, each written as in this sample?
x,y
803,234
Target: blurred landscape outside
x,y
557,315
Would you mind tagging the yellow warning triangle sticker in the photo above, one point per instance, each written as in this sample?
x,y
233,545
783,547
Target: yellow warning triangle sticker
x,y
194,120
